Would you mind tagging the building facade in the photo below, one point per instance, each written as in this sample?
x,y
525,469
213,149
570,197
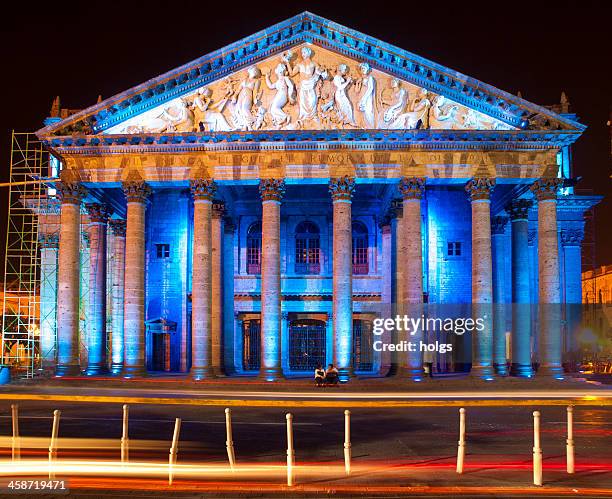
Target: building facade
x,y
255,211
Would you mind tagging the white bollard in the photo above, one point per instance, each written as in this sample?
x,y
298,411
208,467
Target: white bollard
x,y
537,450
53,443
125,449
461,448
290,450
15,444
570,439
347,442
229,442
173,450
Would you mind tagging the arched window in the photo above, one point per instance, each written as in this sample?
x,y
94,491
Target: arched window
x,y
254,249
360,248
307,249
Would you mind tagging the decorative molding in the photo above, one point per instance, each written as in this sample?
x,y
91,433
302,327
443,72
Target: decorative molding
x,y
271,189
412,187
50,241
546,189
342,188
519,209
98,212
480,188
136,191
203,189
572,237
118,227
218,209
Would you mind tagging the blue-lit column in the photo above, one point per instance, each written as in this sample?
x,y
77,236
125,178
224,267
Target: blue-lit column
x,y
136,193
71,194
117,294
521,293
410,256
549,292
479,190
498,226
271,191
571,240
48,295
96,333
341,190
203,191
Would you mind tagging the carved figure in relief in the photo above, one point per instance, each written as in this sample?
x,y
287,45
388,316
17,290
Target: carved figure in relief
x,y
419,113
247,96
309,76
442,112
342,103
397,103
368,104
207,114
285,92
178,118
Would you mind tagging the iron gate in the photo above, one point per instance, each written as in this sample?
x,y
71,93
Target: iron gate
x,y
363,345
306,344
251,343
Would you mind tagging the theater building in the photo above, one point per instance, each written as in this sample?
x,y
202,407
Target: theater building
x,y
254,211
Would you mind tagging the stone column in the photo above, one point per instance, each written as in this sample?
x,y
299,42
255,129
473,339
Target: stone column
x,y
549,292
410,255
117,294
571,239
134,364
521,295
96,333
218,209
271,191
71,194
203,191
387,294
479,190
498,226
342,191
48,296
231,355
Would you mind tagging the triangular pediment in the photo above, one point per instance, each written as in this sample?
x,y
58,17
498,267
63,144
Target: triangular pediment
x,y
308,73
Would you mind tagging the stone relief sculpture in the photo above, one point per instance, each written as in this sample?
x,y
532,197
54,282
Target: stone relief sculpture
x,y
243,116
308,90
368,104
285,92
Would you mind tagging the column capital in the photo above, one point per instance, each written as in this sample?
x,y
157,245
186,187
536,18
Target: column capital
x,y
203,189
519,209
98,212
70,192
572,237
412,187
545,189
218,209
480,188
271,189
118,227
498,224
136,191
341,188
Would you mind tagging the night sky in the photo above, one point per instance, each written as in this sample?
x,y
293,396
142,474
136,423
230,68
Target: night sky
x,y
540,48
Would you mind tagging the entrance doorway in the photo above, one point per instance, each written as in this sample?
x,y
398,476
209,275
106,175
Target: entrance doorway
x,y
251,341
306,344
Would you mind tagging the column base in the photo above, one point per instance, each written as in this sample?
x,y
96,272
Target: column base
x,y
500,369
554,372
411,373
62,370
134,372
96,370
116,369
345,374
218,372
271,374
484,373
201,373
522,370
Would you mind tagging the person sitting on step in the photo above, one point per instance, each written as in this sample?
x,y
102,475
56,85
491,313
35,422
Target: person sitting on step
x,y
319,376
331,375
